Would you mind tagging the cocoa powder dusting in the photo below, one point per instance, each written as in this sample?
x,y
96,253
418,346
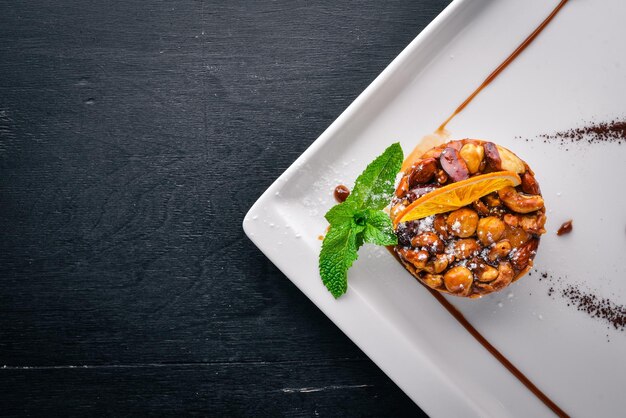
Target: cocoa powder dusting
x,y
613,131
604,309
596,307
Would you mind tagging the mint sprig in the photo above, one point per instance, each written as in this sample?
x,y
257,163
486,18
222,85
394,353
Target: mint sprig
x,y
360,219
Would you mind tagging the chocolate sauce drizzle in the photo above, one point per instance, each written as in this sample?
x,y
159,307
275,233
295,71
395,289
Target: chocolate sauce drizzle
x,y
505,63
497,354
490,348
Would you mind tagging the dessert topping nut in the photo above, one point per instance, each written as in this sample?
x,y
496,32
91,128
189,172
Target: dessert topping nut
x,y
462,222
440,226
519,202
516,236
505,275
533,223
490,230
510,161
511,220
438,265
521,258
529,184
432,280
492,157
453,164
487,273
473,155
458,280
417,258
465,248
422,172
403,187
500,250
429,240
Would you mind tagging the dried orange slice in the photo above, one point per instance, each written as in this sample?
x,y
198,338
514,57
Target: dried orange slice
x,y
456,195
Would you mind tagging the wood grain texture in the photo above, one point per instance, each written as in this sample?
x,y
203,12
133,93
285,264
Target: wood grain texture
x,y
134,136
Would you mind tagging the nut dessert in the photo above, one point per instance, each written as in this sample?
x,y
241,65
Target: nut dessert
x,y
463,247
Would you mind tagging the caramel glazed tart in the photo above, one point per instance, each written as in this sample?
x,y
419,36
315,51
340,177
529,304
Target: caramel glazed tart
x,y
480,248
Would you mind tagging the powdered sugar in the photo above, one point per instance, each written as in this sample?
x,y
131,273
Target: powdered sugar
x,y
426,224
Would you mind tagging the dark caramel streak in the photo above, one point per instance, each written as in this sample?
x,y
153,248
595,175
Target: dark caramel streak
x,y
504,64
499,356
487,345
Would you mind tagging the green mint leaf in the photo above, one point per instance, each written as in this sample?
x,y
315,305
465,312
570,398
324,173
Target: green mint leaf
x,y
359,220
375,186
339,251
379,228
342,213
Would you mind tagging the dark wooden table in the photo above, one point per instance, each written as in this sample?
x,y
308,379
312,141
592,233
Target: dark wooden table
x,y
133,138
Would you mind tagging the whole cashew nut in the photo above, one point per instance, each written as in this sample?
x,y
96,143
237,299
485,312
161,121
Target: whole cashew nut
x,y
520,202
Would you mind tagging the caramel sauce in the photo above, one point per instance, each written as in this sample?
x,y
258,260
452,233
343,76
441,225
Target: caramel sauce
x,y
489,347
497,354
505,63
341,193
439,137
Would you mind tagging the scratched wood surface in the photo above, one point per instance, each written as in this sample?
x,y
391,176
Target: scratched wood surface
x,y
133,138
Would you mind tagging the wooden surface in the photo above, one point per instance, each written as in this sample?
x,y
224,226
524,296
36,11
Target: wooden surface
x,y
134,136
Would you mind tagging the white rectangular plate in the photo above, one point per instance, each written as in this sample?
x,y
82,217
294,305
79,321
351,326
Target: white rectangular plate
x,y
573,73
